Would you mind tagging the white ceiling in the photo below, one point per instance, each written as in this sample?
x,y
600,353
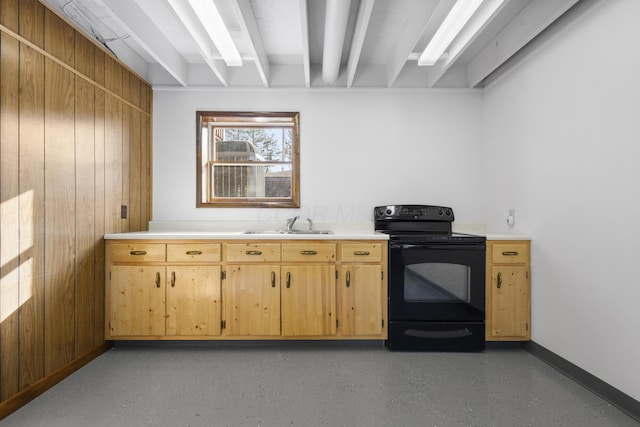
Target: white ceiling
x,y
282,41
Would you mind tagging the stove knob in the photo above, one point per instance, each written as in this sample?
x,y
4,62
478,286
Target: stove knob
x,y
440,212
379,212
389,212
449,212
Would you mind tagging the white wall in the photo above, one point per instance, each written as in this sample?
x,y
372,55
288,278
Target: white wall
x,y
562,147
359,149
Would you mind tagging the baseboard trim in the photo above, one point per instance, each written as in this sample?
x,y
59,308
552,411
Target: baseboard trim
x,y
620,400
36,389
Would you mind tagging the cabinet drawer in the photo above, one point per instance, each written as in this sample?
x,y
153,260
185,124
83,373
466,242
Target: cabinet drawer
x,y
312,252
510,253
137,252
193,252
257,252
354,252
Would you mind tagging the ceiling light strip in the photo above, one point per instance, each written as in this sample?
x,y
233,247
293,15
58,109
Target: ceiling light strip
x,y
215,27
450,28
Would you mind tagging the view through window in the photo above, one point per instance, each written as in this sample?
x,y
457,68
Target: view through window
x,y
248,159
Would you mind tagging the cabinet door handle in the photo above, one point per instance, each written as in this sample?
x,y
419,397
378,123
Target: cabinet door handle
x,y
308,252
288,280
173,279
348,279
138,252
157,279
361,253
499,284
510,253
273,279
253,252
194,252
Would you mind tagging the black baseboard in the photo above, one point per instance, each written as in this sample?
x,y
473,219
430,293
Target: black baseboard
x,y
620,400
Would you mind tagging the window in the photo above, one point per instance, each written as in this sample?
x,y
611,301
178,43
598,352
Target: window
x,y
248,159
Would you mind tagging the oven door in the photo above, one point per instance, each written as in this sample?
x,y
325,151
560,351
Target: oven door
x,y
442,282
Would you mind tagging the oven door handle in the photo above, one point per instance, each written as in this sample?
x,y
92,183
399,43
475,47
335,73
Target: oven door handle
x,y
437,246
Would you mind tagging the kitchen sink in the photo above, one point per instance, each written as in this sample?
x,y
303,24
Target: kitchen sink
x,y
288,232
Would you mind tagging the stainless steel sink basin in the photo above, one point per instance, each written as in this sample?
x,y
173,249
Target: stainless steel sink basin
x,y
288,232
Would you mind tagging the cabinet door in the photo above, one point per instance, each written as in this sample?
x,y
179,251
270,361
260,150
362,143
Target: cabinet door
x,y
252,300
137,301
193,300
308,300
360,300
510,301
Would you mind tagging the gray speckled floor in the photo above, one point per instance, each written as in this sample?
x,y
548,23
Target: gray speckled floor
x,y
302,385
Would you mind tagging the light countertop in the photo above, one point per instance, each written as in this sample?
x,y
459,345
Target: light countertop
x,y
229,230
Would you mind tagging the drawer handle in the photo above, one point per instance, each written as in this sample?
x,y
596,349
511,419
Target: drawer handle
x,y
288,279
138,252
173,279
273,279
360,253
499,280
348,279
157,279
510,253
308,252
194,252
253,252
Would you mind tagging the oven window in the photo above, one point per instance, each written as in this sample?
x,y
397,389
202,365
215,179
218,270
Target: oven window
x,y
437,282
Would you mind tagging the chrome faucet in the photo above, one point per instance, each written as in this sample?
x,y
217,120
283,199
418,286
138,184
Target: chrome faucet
x,y
310,224
291,221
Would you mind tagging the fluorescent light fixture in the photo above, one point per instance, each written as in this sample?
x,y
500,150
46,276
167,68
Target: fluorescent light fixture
x,y
458,16
211,19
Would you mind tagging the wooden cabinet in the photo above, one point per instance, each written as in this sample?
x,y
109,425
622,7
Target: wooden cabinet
x,y
361,290
268,289
508,293
162,291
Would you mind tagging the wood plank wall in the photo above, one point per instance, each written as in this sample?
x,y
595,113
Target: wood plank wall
x,y
75,129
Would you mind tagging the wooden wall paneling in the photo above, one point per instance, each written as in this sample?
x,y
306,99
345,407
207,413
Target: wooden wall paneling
x,y
134,90
99,170
135,190
99,111
9,14
59,216
31,15
9,215
85,211
145,173
85,57
32,212
59,38
113,75
127,123
113,164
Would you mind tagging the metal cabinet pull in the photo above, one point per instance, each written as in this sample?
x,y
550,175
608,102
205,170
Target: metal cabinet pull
x,y
361,253
253,252
273,279
499,280
194,252
288,280
173,279
157,279
308,252
348,279
510,253
138,252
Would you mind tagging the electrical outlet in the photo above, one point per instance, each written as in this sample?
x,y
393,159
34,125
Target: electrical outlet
x,y
123,211
511,217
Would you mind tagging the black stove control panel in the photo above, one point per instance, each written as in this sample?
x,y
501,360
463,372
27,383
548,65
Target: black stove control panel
x,y
413,213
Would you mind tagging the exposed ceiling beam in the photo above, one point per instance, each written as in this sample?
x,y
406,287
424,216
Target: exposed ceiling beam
x,y
304,28
135,21
335,30
532,20
192,25
362,22
478,22
247,20
412,33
